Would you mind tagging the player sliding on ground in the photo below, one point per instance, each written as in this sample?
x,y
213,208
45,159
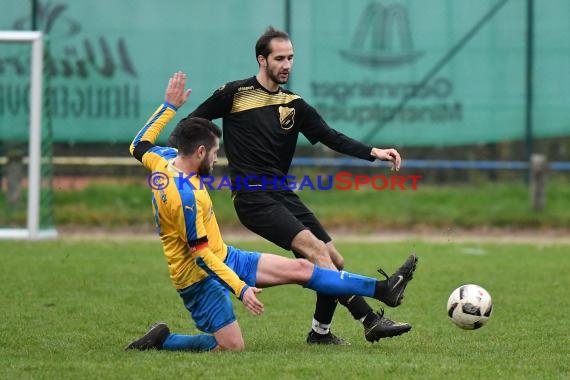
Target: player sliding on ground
x,y
203,269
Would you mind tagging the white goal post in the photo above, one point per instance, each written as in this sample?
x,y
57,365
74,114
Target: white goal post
x,y
32,230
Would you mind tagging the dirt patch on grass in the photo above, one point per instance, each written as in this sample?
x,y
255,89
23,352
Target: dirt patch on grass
x,y
446,235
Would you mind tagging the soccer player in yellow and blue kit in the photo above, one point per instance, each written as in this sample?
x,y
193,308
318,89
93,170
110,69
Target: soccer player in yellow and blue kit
x,y
203,269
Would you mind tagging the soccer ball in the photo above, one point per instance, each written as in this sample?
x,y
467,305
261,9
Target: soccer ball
x,y
469,306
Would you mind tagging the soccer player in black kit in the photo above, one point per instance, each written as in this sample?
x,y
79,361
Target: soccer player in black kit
x,y
261,124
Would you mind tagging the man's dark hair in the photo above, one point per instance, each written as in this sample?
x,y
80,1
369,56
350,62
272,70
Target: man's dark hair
x,y
196,131
262,44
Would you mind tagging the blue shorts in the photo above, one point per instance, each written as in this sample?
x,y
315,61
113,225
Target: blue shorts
x,y
208,301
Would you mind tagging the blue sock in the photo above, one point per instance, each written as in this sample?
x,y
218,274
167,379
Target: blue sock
x,y
177,342
336,283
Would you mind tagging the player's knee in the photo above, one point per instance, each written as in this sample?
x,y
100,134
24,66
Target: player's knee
x,y
336,257
338,262
313,249
305,265
321,250
298,272
304,270
236,345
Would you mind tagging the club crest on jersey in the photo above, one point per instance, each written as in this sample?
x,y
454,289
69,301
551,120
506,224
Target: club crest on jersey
x,y
286,117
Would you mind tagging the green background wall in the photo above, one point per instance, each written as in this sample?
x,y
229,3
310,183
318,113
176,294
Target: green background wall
x,y
356,61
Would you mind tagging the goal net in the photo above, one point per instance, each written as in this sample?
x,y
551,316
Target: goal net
x,y
26,210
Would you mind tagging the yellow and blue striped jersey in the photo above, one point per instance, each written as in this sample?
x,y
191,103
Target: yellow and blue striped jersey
x,y
183,212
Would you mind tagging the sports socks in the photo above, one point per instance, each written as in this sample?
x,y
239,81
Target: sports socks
x,y
337,283
321,328
199,343
324,308
327,282
381,287
357,306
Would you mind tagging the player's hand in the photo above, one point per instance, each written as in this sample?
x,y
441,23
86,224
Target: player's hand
x,y
251,302
175,92
391,155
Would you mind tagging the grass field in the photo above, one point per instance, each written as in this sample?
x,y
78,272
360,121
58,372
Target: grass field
x,y
122,203
69,307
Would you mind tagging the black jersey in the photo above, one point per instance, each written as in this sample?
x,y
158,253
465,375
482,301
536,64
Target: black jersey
x,y
261,128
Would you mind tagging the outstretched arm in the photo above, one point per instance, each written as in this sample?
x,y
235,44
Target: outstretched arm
x,y
317,130
174,98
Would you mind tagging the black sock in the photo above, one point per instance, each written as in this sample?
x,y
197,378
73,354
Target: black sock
x,y
324,308
356,305
381,287
370,319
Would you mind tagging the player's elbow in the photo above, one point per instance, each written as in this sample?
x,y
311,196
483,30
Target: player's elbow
x,y
140,148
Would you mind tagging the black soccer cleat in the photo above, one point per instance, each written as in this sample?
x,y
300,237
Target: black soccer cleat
x,y
382,327
396,283
329,338
152,340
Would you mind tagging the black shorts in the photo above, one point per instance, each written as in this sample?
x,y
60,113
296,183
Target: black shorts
x,y
277,216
